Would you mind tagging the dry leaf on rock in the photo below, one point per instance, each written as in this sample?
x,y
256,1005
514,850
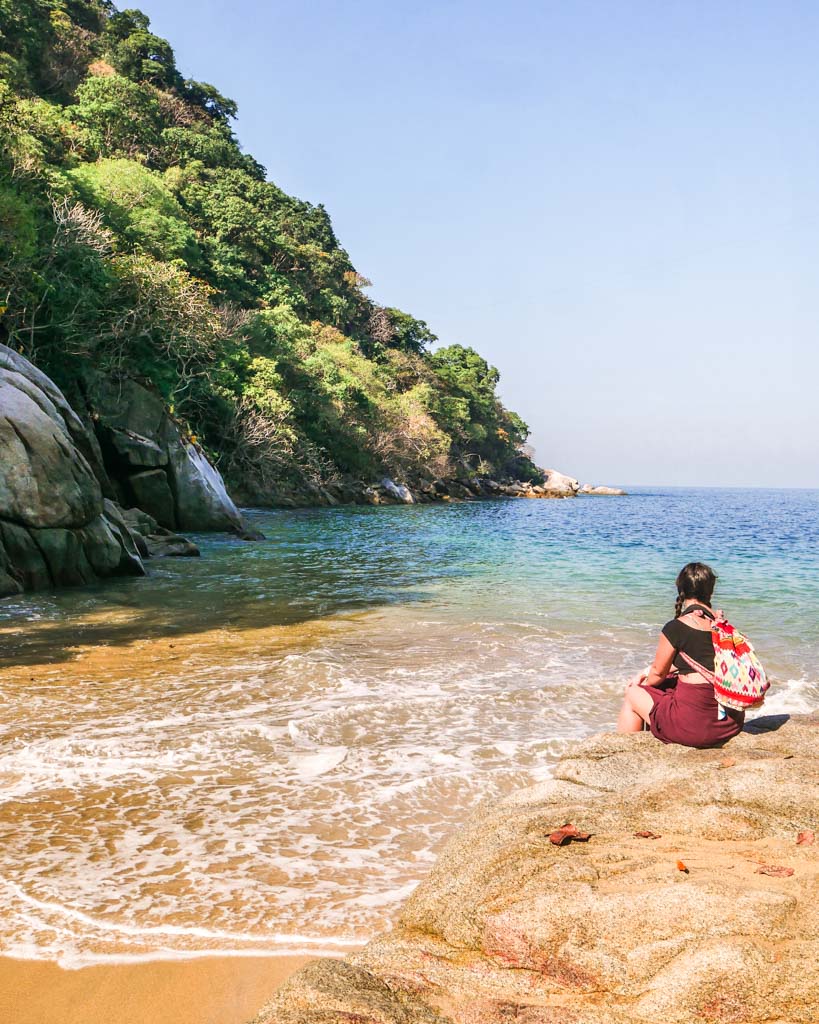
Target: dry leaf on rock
x,y
568,833
806,838
774,870
647,835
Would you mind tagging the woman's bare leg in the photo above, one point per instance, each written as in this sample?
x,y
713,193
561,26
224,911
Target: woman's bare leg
x,y
636,709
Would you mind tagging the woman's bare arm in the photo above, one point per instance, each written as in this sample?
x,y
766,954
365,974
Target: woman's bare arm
x,y
661,665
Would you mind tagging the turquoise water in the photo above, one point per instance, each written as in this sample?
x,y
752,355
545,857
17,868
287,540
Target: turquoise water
x,y
283,733
594,563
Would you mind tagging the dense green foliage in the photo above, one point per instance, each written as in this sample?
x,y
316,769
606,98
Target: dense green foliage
x,y
136,238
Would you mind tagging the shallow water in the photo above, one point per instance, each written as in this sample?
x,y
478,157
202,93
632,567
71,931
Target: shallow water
x,y
264,748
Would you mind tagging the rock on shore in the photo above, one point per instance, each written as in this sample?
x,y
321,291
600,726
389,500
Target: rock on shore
x,y
559,482
390,492
64,483
55,528
601,490
710,916
153,465
465,487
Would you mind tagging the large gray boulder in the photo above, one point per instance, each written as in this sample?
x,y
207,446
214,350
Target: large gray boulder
x,y
45,481
152,493
202,500
400,492
693,902
153,464
54,527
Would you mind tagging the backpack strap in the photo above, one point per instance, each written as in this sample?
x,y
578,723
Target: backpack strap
x,y
706,613
700,610
703,671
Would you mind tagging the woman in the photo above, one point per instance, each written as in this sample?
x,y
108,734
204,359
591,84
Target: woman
x,y
682,710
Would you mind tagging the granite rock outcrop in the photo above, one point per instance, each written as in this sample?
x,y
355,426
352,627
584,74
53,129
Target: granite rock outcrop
x,y
83,497
153,464
601,489
693,902
55,527
559,482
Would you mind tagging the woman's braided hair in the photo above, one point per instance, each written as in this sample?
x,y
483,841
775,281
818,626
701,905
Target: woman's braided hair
x,y
696,580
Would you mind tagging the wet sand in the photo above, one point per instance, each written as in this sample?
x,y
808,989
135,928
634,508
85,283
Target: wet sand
x,y
206,990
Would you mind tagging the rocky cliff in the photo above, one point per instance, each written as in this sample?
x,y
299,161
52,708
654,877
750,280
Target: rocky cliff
x,y
152,464
73,494
692,901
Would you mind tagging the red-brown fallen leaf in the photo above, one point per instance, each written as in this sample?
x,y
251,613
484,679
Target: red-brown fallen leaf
x,y
806,838
775,870
681,866
568,833
727,762
647,835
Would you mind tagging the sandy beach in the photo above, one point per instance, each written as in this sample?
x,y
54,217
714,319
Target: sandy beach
x,y
205,990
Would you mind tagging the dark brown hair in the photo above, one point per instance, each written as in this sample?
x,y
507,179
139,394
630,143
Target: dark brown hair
x,y
696,580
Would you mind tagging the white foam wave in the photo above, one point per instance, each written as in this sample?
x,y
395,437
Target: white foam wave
x,y
165,930
271,804
789,696
310,766
77,960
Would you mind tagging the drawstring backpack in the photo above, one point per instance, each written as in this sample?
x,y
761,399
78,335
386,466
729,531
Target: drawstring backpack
x,y
738,678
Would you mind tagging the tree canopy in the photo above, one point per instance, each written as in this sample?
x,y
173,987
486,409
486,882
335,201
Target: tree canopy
x,y
137,238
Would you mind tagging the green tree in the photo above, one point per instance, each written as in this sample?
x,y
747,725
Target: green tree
x,y
467,374
138,207
136,238
208,97
137,53
407,333
118,118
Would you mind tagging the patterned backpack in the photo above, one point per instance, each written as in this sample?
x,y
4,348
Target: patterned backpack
x,y
738,678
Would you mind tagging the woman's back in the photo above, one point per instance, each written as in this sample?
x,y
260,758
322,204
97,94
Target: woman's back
x,y
682,707
695,641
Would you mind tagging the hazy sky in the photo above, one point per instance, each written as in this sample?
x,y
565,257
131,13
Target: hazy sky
x,y
616,203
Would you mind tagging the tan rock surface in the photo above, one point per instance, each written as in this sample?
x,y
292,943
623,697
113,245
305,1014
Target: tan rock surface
x,y
509,927
601,489
560,482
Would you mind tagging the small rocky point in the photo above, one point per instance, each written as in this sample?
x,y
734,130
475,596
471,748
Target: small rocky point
x,y
601,490
694,901
466,487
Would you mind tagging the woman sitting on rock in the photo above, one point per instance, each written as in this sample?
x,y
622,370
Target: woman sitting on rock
x,y
683,708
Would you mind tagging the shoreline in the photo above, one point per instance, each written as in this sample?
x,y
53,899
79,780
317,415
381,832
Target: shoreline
x,y
220,989
351,492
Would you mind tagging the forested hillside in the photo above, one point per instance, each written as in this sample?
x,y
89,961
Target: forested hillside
x,y
138,240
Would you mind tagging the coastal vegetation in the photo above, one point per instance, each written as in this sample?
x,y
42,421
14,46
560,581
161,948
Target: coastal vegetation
x,y
138,241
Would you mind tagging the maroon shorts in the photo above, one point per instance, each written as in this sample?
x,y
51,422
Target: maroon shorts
x,y
688,713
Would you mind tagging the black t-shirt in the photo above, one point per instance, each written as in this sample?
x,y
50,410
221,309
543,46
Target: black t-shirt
x,y
696,643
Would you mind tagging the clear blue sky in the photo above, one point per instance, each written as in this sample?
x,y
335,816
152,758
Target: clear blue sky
x,y
616,203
